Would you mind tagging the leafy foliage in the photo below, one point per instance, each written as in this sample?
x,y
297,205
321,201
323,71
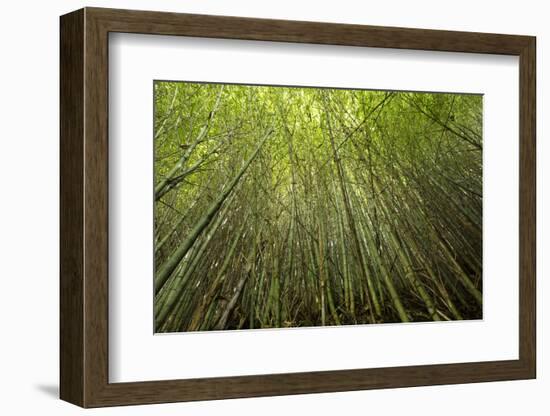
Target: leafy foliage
x,y
285,207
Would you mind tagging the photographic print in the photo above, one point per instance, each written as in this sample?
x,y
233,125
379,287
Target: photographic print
x,y
281,207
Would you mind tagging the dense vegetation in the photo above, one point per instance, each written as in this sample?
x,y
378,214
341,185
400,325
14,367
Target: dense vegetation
x,y
285,207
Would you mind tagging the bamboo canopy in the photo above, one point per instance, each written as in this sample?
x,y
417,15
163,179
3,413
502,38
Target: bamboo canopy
x,y
290,207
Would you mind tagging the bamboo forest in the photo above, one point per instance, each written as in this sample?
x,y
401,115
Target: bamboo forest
x,y
281,207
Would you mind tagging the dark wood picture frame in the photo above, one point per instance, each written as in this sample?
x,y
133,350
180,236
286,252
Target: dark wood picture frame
x,y
84,207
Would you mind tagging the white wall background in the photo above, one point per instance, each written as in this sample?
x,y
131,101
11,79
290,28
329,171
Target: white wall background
x,y
29,208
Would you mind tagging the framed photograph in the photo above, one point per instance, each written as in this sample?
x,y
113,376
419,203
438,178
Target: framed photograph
x,y
254,207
